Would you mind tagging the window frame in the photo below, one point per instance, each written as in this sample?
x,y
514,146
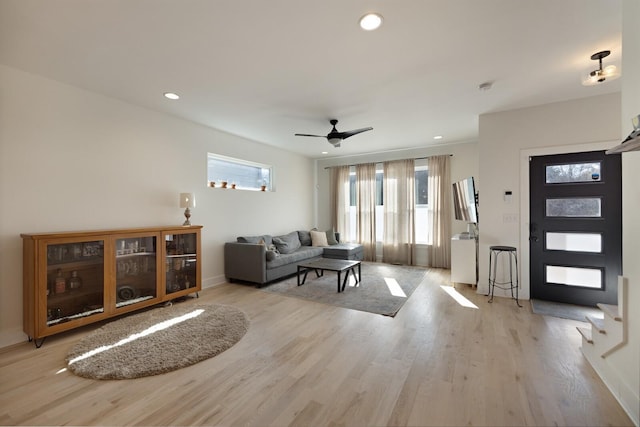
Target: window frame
x,y
232,161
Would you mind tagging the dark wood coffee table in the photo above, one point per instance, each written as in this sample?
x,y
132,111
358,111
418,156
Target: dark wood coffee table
x,y
319,265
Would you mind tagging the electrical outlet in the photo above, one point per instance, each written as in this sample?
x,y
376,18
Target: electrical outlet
x,y
509,218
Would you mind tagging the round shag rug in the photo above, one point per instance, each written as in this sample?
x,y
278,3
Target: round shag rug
x,y
157,341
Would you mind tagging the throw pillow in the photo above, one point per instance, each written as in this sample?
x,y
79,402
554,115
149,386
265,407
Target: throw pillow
x,y
287,243
331,237
318,238
305,238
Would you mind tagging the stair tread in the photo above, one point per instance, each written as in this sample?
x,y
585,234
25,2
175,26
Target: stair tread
x,y
610,310
586,334
596,323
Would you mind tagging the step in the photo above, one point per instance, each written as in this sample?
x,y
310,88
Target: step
x,y
597,324
611,311
586,334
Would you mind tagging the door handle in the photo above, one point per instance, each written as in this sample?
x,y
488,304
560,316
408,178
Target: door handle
x,y
533,227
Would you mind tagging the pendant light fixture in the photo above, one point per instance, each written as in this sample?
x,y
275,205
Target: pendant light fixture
x,y
601,75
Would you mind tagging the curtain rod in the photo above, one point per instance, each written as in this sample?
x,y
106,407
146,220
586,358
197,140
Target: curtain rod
x,y
364,163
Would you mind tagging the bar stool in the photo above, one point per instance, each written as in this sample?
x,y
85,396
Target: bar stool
x,y
494,257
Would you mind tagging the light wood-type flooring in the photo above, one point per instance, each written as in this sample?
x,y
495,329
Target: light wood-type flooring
x,y
302,363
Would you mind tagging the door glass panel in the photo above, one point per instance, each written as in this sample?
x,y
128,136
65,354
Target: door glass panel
x,y
576,242
75,277
574,276
574,172
180,264
588,207
135,270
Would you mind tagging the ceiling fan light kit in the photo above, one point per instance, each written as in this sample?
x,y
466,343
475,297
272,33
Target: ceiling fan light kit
x,y
601,75
334,137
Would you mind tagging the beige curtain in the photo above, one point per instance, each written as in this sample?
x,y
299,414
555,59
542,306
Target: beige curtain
x,y
339,198
398,245
366,209
439,188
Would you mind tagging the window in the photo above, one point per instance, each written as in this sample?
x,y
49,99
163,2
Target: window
x,y
574,172
422,213
245,175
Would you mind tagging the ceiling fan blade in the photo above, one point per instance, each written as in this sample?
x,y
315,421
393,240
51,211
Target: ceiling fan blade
x,y
347,134
306,134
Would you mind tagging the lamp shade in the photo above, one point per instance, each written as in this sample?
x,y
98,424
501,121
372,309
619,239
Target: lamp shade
x,y
187,200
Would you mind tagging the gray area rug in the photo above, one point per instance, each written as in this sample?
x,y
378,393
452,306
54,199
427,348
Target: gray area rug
x,y
384,288
157,341
565,311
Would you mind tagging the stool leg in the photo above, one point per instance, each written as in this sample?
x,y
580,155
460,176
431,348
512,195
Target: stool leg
x,y
492,282
511,273
515,257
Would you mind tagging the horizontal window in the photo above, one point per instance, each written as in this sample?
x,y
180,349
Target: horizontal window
x,y
574,172
574,276
574,242
588,207
228,172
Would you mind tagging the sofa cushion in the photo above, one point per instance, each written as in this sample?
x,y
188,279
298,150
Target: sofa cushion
x,y
351,251
287,243
319,238
331,237
266,239
271,255
303,253
305,237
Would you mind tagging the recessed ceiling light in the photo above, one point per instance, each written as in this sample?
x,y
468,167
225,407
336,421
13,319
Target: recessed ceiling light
x,y
371,21
437,137
325,152
171,95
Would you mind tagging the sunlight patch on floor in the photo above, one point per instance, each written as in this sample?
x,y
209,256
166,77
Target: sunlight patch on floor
x,y
394,287
153,329
352,281
460,299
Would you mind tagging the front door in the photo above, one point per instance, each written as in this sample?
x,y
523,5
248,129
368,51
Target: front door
x,y
575,227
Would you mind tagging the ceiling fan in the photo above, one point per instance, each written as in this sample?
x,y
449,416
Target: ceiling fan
x,y
334,137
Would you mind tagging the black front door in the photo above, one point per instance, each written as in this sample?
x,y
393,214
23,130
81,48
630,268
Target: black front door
x,y
575,227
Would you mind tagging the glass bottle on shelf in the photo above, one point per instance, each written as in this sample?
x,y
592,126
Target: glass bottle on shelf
x,y
60,285
75,282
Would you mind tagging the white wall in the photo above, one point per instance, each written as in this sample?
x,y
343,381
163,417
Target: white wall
x,y
506,140
75,160
464,163
621,370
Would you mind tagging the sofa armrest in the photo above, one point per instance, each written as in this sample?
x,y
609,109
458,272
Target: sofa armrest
x,y
245,261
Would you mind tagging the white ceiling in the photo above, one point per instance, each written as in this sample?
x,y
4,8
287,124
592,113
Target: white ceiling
x,y
265,70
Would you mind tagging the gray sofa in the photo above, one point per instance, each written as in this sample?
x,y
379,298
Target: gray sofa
x,y
263,259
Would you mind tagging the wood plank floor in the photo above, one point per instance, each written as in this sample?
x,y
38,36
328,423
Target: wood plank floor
x,y
302,363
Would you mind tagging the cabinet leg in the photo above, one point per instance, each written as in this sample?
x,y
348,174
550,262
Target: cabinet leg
x,y
36,343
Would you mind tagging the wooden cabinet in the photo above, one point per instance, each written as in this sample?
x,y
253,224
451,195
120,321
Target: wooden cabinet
x,y
76,278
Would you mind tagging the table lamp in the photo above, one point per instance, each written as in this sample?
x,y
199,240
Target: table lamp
x,y
187,201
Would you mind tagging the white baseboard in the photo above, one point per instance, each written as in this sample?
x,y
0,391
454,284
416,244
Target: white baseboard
x,y
210,282
11,338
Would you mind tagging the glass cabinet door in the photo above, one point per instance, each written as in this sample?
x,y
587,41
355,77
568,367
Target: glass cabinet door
x,y
75,281
136,270
180,262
